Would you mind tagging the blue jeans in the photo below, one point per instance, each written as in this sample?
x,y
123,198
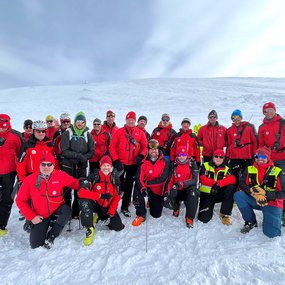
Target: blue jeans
x,y
271,215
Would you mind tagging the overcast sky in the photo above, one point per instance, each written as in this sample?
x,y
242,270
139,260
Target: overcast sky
x,y
44,42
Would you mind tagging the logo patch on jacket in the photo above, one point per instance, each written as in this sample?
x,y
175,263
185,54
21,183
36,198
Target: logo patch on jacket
x,y
53,192
98,187
34,151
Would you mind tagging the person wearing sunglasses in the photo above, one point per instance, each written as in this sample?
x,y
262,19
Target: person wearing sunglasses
x,y
27,130
211,136
40,200
109,125
262,188
51,127
241,144
10,144
101,144
164,134
217,185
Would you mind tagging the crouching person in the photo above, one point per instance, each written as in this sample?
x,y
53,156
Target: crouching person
x,y
183,186
40,200
150,181
217,184
102,199
263,188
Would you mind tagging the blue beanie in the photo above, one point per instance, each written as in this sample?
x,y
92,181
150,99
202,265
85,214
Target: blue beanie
x,y
236,112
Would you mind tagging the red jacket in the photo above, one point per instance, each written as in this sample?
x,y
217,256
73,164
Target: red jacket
x,y
40,197
241,141
212,138
153,175
267,137
32,152
108,129
104,186
9,151
50,132
101,144
123,149
189,140
25,136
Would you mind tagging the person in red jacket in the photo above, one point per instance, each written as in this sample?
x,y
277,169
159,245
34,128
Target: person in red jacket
x,y
183,185
51,126
217,184
40,200
151,178
262,188
28,130
109,125
211,136
102,199
241,144
101,144
10,144
164,133
128,148
186,138
142,122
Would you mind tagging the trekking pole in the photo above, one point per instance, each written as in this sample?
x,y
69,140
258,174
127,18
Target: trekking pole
x,y
146,235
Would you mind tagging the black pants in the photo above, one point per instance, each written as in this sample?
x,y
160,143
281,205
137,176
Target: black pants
x,y
76,173
6,188
127,183
190,197
88,207
238,166
40,232
208,201
155,204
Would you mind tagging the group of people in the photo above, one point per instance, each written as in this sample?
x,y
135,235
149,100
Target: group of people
x,y
65,171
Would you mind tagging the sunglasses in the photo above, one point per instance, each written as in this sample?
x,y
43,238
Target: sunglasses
x,y
165,120
4,120
65,122
80,122
260,156
96,124
212,117
48,164
28,127
110,116
269,110
236,117
50,121
40,131
182,154
218,156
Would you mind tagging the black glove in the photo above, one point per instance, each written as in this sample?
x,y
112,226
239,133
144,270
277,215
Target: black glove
x,y
118,165
215,188
168,203
2,141
173,191
84,183
106,196
270,195
139,159
198,164
144,192
83,158
106,220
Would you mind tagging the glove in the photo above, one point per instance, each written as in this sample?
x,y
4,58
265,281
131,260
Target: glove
x,y
179,185
83,158
257,190
84,183
173,191
260,200
106,196
139,159
215,188
168,202
106,220
118,165
198,164
144,192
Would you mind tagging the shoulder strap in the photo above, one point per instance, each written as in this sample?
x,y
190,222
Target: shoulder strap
x,y
278,135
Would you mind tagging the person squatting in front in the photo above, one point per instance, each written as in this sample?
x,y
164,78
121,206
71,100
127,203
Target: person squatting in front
x,y
263,188
40,200
217,184
98,194
183,186
151,178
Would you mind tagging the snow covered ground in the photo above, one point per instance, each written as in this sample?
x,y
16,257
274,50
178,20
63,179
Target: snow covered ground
x,y
161,251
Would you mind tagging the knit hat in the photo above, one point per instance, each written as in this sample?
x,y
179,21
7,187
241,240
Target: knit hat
x,y
131,115
106,159
98,121
28,123
165,116
219,152
49,118
181,150
80,116
268,105
110,113
142,118
186,120
265,151
213,113
5,121
48,157
236,112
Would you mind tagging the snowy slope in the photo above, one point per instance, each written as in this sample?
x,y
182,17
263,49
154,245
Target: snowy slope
x,y
161,251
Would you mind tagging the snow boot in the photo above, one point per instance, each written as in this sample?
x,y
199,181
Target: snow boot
x,y
49,242
3,231
175,213
88,239
248,227
126,212
95,218
138,221
189,223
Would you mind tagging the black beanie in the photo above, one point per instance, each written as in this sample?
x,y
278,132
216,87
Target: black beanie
x,y
28,122
142,118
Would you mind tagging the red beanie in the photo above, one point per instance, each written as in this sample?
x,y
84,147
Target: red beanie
x,y
219,152
5,121
265,151
268,105
131,115
181,150
49,158
110,113
105,159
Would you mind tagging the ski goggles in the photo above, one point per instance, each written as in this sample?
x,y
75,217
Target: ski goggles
x,y
236,117
40,131
260,156
182,154
46,164
153,144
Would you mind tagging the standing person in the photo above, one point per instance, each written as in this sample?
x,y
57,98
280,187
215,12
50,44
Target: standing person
x,y
10,144
151,178
109,125
28,130
102,199
217,184
40,200
77,147
142,122
128,148
241,144
101,144
164,133
263,188
272,135
186,138
183,185
51,127
211,136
